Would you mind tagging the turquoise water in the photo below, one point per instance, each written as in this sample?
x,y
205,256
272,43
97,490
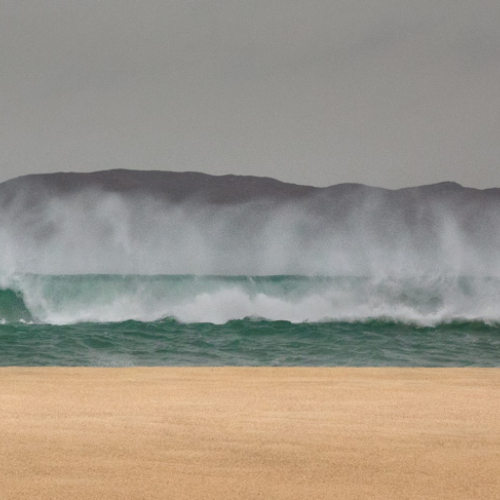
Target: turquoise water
x,y
134,320
250,343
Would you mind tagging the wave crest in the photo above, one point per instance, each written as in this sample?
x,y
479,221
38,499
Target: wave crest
x,y
424,301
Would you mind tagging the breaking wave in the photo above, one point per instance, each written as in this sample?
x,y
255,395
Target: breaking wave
x,y
420,301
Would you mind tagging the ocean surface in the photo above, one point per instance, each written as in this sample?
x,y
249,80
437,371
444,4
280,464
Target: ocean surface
x,y
195,320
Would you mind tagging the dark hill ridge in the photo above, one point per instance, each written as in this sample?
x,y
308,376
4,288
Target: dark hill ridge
x,y
338,205
170,186
224,189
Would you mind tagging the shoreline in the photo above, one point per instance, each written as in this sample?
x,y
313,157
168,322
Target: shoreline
x,y
245,433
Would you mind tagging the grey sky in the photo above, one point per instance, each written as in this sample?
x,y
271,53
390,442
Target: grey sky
x,y
387,93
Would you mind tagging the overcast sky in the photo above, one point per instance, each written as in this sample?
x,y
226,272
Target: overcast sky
x,y
389,93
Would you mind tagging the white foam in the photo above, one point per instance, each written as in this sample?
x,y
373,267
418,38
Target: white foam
x,y
424,302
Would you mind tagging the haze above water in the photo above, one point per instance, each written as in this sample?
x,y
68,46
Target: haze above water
x,y
244,226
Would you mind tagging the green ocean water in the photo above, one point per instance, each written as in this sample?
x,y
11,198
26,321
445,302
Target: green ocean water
x,y
189,320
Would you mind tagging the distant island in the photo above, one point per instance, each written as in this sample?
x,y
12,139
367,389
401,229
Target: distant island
x,y
176,187
409,205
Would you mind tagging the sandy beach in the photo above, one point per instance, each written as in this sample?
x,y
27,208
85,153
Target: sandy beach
x,y
247,433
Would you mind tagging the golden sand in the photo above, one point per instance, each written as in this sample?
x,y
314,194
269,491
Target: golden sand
x,y
249,433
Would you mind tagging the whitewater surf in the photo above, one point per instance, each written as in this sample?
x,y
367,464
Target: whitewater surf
x,y
127,320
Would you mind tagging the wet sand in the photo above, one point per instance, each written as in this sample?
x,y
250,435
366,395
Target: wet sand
x,y
248,433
